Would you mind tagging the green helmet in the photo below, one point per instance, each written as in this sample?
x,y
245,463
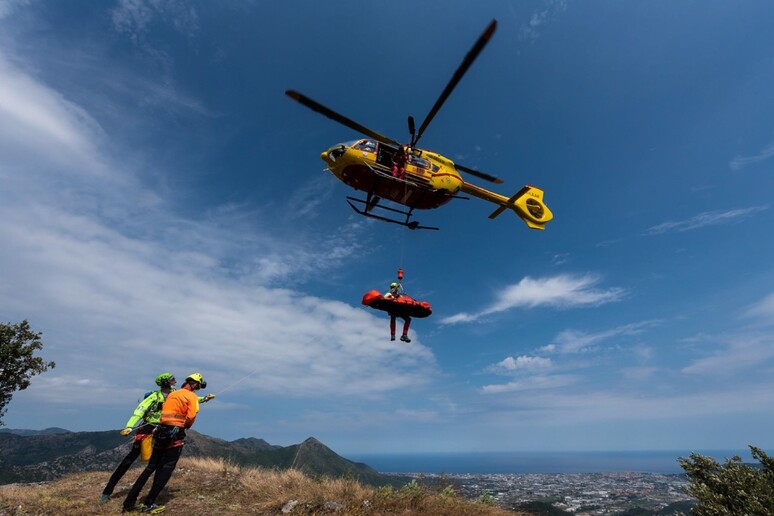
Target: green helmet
x,y
393,285
165,379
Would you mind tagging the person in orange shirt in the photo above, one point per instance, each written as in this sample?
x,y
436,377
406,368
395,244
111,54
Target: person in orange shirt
x,y
177,414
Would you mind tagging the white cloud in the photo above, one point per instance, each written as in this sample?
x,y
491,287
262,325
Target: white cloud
x,y
738,353
539,17
573,341
704,219
417,416
562,291
7,6
118,282
740,162
563,406
531,384
560,259
134,16
523,362
763,309
40,124
638,373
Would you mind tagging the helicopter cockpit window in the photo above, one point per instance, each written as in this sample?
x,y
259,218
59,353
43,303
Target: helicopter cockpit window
x,y
366,145
418,162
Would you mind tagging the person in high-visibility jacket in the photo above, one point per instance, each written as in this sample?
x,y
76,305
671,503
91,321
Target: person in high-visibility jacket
x,y
149,412
148,415
177,414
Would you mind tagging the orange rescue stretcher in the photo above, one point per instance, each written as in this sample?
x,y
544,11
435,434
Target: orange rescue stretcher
x,y
401,307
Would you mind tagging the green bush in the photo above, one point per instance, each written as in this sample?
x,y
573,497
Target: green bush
x,y
731,488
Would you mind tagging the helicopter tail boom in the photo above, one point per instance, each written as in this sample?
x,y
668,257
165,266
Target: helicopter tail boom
x,y
527,203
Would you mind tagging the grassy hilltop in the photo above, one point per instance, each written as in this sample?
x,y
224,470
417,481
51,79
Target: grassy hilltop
x,y
213,486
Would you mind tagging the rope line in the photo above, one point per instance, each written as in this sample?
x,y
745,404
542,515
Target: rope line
x,y
220,392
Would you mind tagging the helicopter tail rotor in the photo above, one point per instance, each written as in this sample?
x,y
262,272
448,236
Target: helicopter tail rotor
x,y
527,203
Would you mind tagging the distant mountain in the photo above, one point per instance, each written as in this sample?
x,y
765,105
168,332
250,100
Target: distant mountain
x,y
32,456
46,431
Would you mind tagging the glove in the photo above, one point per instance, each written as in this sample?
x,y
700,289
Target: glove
x,y
208,398
125,431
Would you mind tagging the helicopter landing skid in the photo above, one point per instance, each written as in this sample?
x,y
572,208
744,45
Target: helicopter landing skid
x,y
372,201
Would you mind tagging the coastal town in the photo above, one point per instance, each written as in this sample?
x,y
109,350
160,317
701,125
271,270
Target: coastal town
x,y
577,493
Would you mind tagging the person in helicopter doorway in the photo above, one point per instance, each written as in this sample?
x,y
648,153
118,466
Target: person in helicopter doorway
x,y
399,163
396,290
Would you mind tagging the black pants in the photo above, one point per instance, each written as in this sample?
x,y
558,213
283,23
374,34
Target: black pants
x,y
123,468
162,462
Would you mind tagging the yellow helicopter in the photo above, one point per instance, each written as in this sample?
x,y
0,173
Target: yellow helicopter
x,y
413,177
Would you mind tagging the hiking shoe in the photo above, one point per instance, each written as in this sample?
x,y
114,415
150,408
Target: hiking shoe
x,y
392,337
153,509
405,338
104,498
136,508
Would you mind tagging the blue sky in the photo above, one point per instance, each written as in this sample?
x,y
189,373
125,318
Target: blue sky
x,y
163,207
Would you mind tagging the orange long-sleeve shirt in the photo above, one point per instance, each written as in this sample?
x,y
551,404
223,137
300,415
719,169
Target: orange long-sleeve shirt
x,y
180,409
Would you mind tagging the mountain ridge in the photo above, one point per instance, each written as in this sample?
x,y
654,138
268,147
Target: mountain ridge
x,y
33,456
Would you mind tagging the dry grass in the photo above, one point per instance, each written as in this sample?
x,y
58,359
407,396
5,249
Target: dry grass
x,y
212,487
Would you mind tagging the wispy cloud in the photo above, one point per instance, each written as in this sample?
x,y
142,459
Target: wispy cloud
x,y
522,362
560,405
704,219
110,272
763,309
7,6
562,291
530,31
737,353
533,370
133,17
560,259
740,162
573,341
36,118
532,383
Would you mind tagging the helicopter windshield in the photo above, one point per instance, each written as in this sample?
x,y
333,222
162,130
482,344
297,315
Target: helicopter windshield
x,y
418,162
366,145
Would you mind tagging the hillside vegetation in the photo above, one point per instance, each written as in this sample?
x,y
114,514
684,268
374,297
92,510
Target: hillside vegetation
x,y
213,486
45,456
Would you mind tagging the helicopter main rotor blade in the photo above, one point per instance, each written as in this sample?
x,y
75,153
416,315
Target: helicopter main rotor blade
x,y
476,173
469,58
316,106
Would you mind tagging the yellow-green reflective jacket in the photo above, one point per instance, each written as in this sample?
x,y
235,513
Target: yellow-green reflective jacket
x,y
148,410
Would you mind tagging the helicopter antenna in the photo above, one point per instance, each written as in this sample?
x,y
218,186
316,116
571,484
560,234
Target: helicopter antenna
x,y
469,58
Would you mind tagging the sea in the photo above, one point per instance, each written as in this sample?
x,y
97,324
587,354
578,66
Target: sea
x,y
548,462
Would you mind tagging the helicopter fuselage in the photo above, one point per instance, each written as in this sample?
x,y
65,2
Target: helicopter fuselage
x,y
413,177
430,180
